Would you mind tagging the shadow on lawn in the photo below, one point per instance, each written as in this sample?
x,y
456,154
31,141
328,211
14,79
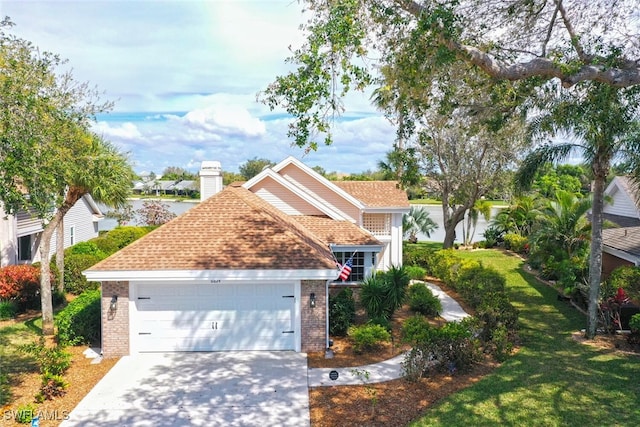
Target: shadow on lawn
x,y
552,380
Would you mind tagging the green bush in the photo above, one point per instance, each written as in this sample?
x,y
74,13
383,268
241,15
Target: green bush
x,y
50,360
124,236
627,278
450,348
416,330
419,256
494,311
8,310
342,312
516,243
422,300
52,386
368,337
85,248
381,321
74,281
25,413
415,272
79,322
476,280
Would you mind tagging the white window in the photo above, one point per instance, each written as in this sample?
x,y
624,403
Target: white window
x,y
357,269
72,235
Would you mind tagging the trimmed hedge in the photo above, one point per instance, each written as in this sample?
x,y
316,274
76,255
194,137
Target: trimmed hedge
x,y
74,281
422,300
79,322
368,337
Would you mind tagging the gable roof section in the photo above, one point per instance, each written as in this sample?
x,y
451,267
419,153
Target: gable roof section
x,y
376,194
315,175
337,232
291,187
629,192
233,230
625,240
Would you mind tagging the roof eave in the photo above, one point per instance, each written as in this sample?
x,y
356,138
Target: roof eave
x,y
207,275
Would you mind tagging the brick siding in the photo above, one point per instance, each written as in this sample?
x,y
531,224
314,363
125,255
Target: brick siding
x,y
313,320
115,324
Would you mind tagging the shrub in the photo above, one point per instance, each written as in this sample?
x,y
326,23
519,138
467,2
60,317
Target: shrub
x,y
25,413
373,297
119,237
494,311
74,281
79,322
449,348
634,323
492,236
52,386
8,310
415,272
515,242
50,360
422,300
21,284
381,321
475,280
85,248
415,330
368,337
342,312
627,278
418,255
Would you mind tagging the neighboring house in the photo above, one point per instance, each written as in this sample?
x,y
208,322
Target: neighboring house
x,y
621,246
249,268
20,233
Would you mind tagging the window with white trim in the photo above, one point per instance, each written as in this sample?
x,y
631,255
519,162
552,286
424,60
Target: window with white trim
x,y
72,235
357,269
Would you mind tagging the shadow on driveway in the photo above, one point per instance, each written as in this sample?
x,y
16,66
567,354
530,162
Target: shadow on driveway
x,y
199,389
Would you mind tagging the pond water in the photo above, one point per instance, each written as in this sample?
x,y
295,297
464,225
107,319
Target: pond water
x,y
435,213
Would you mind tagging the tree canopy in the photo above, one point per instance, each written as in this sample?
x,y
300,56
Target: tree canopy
x,y
49,158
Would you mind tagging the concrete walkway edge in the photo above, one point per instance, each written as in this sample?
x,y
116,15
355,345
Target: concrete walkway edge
x,y
389,369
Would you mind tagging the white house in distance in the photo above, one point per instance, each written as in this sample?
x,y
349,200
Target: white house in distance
x,y
621,245
20,233
250,267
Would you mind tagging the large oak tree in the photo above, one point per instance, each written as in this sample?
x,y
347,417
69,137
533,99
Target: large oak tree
x,y
529,42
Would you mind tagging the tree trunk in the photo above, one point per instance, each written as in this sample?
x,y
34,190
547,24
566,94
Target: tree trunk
x,y
595,257
60,254
451,220
72,196
45,279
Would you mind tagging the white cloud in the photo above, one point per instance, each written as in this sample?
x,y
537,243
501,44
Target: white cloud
x,y
219,120
126,131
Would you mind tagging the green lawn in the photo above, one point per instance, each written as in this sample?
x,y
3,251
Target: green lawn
x,y
12,361
552,380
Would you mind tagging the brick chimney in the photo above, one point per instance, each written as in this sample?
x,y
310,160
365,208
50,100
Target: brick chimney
x,y
210,179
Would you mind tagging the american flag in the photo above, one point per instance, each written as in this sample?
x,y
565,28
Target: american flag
x,y
345,271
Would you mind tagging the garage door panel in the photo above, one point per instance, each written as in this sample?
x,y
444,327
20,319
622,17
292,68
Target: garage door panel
x,y
249,316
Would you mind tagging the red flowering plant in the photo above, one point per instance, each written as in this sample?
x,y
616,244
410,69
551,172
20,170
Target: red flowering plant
x,y
19,283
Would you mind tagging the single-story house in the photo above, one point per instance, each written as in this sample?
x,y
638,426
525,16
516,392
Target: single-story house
x,y
621,246
20,233
249,268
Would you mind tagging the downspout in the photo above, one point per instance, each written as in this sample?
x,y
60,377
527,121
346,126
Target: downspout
x,y
328,353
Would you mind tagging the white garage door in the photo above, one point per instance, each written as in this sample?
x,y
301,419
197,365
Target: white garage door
x,y
214,317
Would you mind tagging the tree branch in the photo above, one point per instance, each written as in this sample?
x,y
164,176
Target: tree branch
x,y
575,39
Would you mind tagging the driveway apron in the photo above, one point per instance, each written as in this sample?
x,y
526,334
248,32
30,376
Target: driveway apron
x,y
199,389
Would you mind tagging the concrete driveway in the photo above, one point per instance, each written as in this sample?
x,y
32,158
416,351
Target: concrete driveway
x,y
199,389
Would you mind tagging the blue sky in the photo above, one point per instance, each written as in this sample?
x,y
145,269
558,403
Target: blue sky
x,y
184,77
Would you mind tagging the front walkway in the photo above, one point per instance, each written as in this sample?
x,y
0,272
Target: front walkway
x,y
384,371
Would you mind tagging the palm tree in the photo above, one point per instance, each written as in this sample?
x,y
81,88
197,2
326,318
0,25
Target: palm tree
x,y
417,221
603,120
563,223
481,207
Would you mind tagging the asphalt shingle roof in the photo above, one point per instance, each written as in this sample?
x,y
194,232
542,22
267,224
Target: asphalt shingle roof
x,y
376,194
234,229
625,239
336,232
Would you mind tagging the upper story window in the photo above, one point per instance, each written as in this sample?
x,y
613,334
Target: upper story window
x,y
377,224
358,268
